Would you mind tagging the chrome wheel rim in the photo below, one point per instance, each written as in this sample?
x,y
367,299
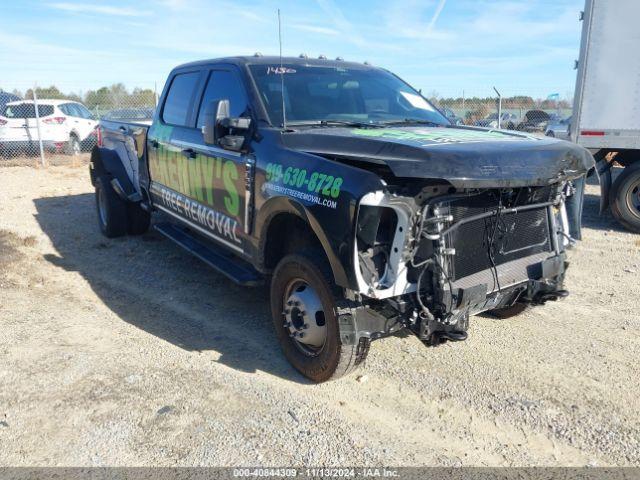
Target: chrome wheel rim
x,y
75,147
304,317
633,198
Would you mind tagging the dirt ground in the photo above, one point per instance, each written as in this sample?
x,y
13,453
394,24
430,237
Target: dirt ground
x,y
131,352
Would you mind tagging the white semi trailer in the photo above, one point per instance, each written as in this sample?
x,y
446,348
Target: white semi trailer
x,y
606,112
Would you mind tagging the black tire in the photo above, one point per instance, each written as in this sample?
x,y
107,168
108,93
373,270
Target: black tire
x,y
73,146
508,312
138,220
111,209
333,359
624,198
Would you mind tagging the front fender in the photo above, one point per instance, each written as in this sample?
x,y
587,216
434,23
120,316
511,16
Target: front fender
x,y
278,205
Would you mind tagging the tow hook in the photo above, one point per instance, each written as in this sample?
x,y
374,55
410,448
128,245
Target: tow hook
x,y
544,297
433,332
441,336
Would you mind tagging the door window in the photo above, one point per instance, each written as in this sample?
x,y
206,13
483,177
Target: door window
x,y
74,111
176,106
84,112
224,84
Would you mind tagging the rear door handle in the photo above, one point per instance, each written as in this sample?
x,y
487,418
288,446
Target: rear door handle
x,y
123,129
189,153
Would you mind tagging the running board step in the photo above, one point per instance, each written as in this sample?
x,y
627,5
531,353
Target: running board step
x,y
235,269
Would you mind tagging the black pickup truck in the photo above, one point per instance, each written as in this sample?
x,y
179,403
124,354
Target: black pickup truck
x,y
367,211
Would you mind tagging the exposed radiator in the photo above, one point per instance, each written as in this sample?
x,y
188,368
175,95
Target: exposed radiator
x,y
515,236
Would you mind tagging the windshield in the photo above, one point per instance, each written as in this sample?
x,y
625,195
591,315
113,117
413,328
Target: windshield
x,y
324,94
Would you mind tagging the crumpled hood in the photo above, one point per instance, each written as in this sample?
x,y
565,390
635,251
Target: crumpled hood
x,y
466,157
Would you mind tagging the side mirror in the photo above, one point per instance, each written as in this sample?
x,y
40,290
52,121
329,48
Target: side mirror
x,y
215,111
219,128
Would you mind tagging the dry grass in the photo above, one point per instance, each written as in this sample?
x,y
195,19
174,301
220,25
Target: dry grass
x,y
9,248
50,160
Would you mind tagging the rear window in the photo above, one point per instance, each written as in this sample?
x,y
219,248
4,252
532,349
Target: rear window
x,y
27,110
176,107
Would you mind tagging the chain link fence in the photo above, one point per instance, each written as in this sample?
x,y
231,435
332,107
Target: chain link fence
x,y
57,125
536,112
49,125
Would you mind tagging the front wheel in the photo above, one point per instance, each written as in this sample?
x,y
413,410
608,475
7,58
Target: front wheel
x,y
625,197
303,307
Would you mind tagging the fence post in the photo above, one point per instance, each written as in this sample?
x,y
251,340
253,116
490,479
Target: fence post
x,y
499,106
35,107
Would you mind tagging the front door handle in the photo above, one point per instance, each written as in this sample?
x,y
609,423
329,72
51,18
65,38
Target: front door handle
x,y
154,144
189,153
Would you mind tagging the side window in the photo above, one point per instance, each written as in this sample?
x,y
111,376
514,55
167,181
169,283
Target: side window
x,y
74,111
176,106
224,84
84,112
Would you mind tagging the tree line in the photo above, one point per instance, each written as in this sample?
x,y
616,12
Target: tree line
x,y
104,98
117,96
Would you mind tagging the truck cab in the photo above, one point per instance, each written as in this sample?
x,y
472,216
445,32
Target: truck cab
x,y
360,204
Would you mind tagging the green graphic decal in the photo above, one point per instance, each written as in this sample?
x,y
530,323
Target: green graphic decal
x,y
231,201
161,132
435,136
212,181
316,182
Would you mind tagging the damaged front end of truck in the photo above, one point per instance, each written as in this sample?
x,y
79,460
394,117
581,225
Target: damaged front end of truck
x,y
459,228
432,260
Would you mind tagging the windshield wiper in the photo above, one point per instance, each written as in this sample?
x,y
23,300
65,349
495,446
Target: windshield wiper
x,y
332,123
413,121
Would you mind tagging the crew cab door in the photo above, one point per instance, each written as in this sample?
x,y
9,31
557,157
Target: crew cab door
x,y
204,186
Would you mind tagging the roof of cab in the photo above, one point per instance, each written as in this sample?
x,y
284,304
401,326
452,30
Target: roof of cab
x,y
275,61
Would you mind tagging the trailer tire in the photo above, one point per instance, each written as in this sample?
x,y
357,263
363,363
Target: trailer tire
x,y
624,198
138,219
111,209
307,276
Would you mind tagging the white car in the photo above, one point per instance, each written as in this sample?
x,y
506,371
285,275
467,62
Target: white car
x,y
65,126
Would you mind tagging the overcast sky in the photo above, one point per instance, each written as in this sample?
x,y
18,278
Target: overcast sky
x,y
446,46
